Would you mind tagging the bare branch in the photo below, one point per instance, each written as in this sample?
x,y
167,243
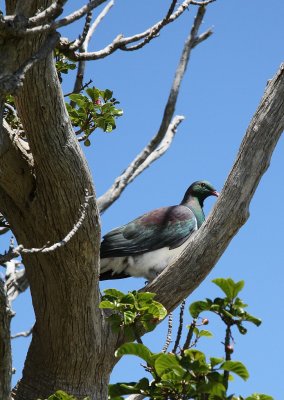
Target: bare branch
x,y
121,42
162,138
161,149
17,251
50,13
169,333
156,29
232,208
78,42
22,334
96,23
16,281
77,14
5,344
180,326
82,64
9,84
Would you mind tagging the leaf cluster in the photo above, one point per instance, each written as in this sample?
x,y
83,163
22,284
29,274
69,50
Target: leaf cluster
x,y
188,373
95,109
131,309
62,64
231,309
60,395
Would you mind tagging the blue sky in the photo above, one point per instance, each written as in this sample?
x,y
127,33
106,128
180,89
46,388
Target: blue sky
x,y
225,80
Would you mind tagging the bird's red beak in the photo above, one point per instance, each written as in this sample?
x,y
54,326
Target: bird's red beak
x,y
215,193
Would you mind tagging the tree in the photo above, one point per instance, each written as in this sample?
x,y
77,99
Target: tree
x,y
40,209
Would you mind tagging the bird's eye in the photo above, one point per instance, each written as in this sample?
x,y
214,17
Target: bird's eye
x,y
202,184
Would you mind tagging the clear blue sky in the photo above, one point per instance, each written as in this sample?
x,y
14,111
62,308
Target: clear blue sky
x,y
225,80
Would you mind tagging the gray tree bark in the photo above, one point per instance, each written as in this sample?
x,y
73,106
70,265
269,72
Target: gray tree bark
x,y
73,346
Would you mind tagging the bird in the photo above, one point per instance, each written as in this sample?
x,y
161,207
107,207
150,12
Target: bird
x,y
146,245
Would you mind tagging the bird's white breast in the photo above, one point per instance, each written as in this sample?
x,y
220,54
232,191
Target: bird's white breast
x,y
147,265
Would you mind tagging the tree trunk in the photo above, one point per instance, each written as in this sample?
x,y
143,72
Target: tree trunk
x,y
68,349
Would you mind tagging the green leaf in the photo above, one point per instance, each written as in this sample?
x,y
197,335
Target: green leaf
x,y
259,396
157,310
212,388
93,93
242,329
166,363
107,94
229,287
127,299
60,395
129,317
114,293
197,307
205,333
79,99
236,367
135,349
215,361
106,304
250,318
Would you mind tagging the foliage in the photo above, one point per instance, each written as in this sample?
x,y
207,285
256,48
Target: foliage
x,y
132,309
62,64
95,110
60,395
187,373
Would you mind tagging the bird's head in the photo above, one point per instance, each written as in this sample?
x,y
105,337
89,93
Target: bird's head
x,y
200,190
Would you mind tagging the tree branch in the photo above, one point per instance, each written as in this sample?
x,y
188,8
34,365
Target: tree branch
x,y
9,84
23,334
16,281
151,152
79,42
82,64
232,208
16,166
17,251
161,149
50,13
120,42
5,344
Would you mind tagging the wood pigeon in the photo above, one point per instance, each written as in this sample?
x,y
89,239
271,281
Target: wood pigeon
x,y
146,245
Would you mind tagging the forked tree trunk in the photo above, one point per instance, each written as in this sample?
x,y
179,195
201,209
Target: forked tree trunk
x,y
69,350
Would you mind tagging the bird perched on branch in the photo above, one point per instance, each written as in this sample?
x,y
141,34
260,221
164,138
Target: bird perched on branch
x,y
146,245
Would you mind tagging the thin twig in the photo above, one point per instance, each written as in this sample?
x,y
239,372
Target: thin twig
x,y
120,42
169,333
180,327
155,31
130,173
96,23
78,42
77,14
187,342
84,47
22,334
13,253
161,149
